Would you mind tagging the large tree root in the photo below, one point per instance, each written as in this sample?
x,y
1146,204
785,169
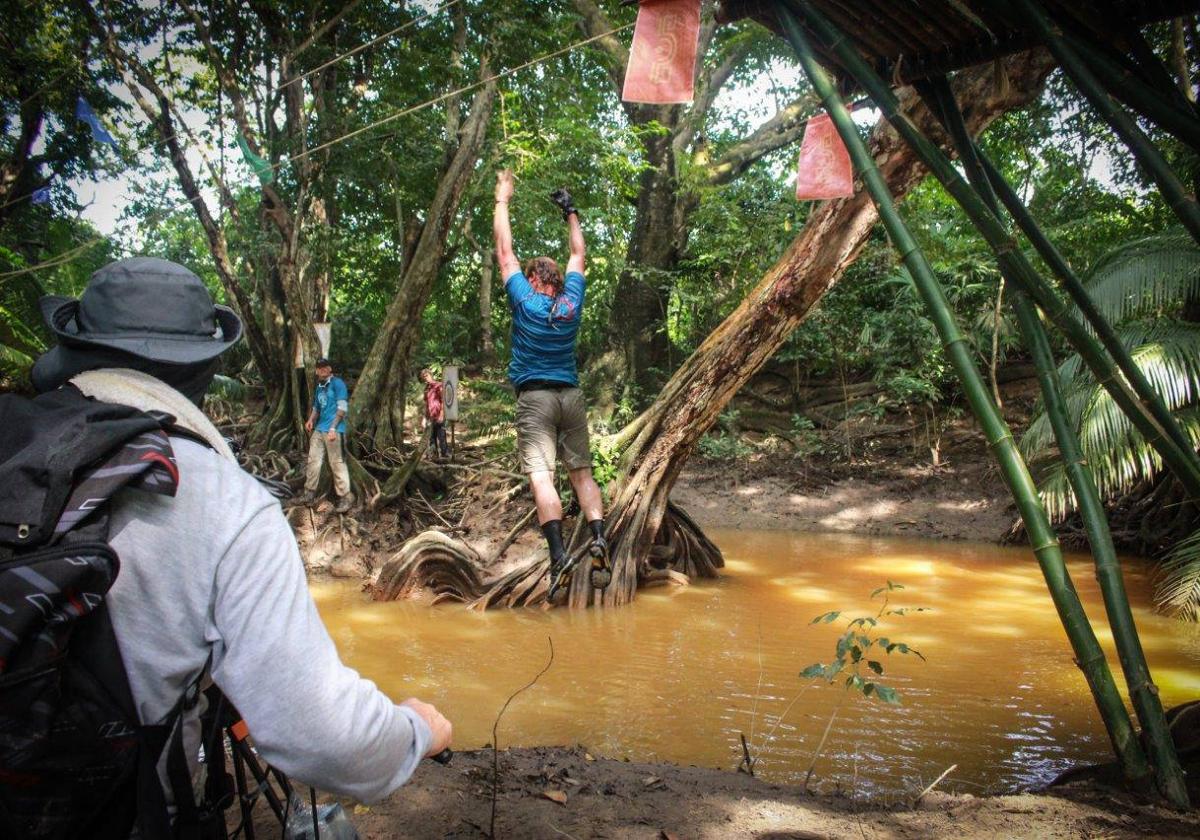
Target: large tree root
x,y
434,562
450,569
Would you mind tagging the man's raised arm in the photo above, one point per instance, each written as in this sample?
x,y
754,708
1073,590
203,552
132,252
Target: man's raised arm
x,y
501,229
578,248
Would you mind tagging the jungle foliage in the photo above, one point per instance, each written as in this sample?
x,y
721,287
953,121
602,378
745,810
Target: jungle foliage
x,y
358,206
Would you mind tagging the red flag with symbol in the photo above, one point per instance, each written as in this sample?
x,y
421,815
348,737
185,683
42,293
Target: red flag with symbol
x,y
662,60
825,170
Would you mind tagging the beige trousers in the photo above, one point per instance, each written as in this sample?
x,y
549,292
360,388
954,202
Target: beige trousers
x,y
320,448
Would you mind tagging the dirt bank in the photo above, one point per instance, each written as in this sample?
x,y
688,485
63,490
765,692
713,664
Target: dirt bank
x,y
963,499
889,488
598,797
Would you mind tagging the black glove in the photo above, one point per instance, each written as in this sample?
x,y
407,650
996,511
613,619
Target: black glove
x,y
563,199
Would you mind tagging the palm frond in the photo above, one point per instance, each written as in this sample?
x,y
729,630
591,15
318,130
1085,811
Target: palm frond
x,y
1178,587
1167,352
1155,275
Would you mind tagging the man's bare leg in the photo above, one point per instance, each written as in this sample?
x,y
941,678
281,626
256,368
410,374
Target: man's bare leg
x,y
587,491
545,496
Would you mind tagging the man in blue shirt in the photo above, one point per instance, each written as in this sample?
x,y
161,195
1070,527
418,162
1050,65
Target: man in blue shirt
x,y
327,427
551,414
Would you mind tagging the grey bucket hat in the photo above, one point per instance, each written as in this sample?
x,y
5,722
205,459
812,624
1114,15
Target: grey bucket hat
x,y
151,308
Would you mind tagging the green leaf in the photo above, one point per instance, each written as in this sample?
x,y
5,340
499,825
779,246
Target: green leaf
x,y
868,688
814,670
875,666
826,617
887,695
855,653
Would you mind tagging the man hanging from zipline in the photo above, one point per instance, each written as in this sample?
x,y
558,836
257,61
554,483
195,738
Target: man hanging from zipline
x,y
551,415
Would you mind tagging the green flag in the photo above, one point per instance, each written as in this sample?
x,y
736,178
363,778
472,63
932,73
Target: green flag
x,y
261,166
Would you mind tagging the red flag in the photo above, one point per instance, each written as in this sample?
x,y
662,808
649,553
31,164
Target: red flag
x,y
662,60
824,170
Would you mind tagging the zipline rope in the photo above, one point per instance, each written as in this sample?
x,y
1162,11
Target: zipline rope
x,y
464,89
186,130
69,255
362,47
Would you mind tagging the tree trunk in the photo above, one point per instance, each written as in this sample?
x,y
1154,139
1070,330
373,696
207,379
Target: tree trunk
x,y
486,340
637,322
637,326
380,388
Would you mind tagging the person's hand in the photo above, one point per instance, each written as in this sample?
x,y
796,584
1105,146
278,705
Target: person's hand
x,y
308,424
441,728
564,201
504,185
331,435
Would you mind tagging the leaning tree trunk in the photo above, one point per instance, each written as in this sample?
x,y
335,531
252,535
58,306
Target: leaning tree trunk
x,y
380,388
663,438
658,443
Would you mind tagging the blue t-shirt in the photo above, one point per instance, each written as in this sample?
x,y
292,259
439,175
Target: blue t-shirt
x,y
330,398
544,330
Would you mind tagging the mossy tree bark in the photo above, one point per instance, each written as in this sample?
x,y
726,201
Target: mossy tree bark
x,y
376,407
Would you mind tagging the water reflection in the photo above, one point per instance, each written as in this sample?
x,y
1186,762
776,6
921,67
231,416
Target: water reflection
x,y
681,674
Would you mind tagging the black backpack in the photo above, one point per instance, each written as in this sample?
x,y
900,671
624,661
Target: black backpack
x,y
74,760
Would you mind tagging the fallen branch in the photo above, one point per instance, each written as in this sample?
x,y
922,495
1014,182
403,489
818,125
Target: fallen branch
x,y
511,536
934,784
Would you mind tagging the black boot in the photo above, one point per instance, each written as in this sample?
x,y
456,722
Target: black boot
x,y
560,565
601,574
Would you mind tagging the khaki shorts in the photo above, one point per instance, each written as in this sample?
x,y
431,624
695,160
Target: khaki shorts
x,y
551,423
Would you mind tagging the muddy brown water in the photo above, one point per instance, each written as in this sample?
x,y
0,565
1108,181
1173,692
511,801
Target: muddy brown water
x,y
682,673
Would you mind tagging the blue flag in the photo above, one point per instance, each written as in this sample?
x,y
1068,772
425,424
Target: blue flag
x,y
84,112
40,196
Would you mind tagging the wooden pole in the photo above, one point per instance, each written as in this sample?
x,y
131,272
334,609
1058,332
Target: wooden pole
x,y
1075,289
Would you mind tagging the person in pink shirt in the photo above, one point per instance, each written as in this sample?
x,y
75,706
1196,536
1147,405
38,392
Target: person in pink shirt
x,y
435,414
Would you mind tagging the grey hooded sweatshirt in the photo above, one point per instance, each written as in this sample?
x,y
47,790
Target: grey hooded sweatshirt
x,y
216,570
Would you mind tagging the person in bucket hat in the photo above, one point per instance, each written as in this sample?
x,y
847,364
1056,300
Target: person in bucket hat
x,y
142,313
213,574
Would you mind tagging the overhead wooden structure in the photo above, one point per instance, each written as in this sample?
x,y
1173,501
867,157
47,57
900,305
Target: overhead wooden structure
x,y
906,40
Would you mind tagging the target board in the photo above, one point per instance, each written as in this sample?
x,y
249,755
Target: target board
x,y
450,391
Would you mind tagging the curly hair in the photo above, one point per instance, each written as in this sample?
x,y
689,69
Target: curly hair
x,y
544,270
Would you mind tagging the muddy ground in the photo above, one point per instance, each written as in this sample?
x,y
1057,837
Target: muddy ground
x,y
566,792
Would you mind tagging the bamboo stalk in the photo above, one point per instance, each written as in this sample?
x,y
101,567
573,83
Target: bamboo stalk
x,y
1183,464
1142,691
1138,95
1088,654
1075,289
1125,127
